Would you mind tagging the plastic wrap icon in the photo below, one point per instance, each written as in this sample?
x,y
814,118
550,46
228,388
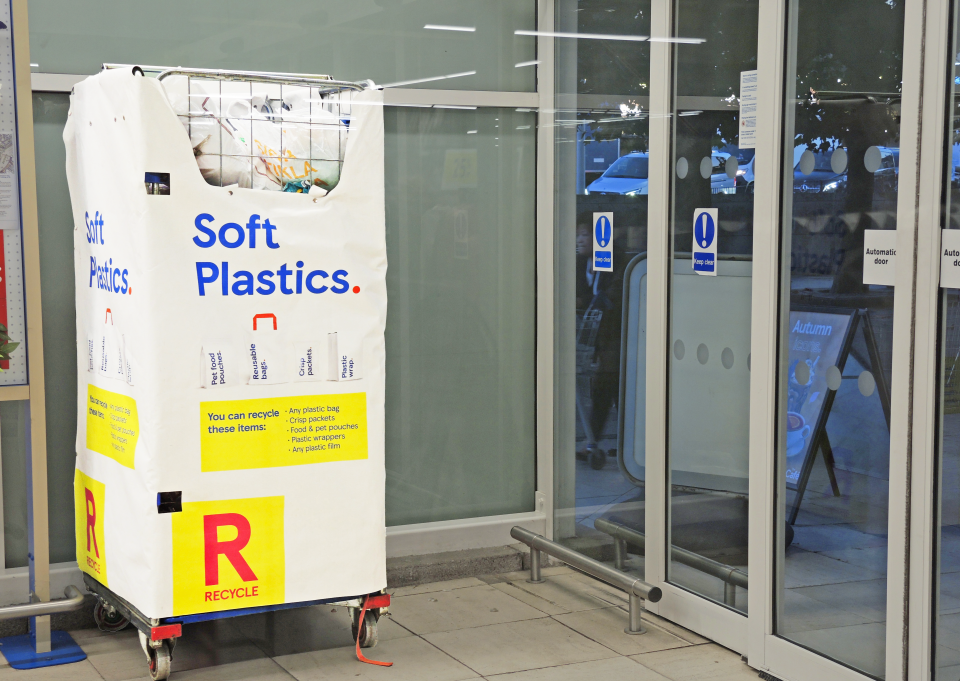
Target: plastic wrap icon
x,y
127,363
307,361
344,357
218,366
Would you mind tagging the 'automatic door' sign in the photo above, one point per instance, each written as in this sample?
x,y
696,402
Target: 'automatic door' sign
x,y
603,242
705,241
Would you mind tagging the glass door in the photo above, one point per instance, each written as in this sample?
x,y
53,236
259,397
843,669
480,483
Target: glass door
x,y
834,452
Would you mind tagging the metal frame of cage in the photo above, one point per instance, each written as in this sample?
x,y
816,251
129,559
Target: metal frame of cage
x,y
327,98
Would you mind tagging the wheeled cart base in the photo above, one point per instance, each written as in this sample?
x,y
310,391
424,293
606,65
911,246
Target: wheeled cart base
x,y
158,637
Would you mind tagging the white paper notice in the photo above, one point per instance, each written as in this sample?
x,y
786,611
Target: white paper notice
x,y
950,258
880,256
748,110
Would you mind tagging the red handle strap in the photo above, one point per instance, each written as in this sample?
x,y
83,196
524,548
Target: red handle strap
x,y
265,316
377,601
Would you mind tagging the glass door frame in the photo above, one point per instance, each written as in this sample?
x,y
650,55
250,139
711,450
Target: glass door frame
x,y
924,515
723,625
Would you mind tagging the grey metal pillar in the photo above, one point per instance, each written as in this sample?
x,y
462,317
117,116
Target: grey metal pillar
x,y
636,624
535,577
619,553
730,594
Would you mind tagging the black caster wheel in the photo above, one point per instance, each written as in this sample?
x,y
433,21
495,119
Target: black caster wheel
x,y
597,459
369,636
109,618
788,535
159,660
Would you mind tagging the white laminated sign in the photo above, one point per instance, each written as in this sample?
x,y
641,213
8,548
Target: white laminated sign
x,y
231,356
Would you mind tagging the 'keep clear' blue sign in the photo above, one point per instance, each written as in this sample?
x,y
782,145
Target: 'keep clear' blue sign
x,y
705,241
603,242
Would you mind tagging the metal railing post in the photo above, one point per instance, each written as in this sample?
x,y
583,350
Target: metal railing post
x,y
636,623
730,594
535,576
619,553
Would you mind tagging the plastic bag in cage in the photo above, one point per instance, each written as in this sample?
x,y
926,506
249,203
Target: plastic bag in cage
x,y
255,141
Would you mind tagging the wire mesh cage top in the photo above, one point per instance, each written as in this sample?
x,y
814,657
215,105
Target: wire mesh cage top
x,y
264,135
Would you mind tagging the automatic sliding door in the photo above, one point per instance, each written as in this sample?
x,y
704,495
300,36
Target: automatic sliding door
x,y
840,188
710,300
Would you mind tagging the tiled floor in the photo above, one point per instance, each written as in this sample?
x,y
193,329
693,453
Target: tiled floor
x,y
497,627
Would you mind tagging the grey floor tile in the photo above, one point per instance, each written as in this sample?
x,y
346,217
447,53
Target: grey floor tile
x,y
803,568
77,671
523,575
301,630
251,670
448,610
559,594
413,660
518,646
874,559
606,627
835,538
801,613
708,662
861,646
675,629
614,669
448,585
119,656
867,599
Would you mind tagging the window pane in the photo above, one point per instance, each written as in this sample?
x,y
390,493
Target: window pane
x,y
840,173
461,371
709,349
384,40
602,166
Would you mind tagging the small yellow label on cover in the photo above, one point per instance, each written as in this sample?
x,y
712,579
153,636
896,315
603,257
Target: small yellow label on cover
x,y
228,554
282,431
112,426
89,498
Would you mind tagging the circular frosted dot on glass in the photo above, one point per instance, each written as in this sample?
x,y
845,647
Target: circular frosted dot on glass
x,y
807,161
706,167
732,166
703,354
726,358
871,159
682,167
834,378
838,161
802,372
678,350
867,383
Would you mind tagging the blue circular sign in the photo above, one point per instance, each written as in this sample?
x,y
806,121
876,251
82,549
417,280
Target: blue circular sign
x,y
704,230
603,231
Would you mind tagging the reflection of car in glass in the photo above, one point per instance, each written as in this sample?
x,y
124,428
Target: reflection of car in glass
x,y
821,179
627,176
742,181
886,178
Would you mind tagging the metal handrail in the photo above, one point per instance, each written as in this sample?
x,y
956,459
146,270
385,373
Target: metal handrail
x,y
636,588
311,80
72,600
729,575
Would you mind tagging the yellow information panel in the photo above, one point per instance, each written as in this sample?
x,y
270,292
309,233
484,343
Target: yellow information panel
x,y
282,431
89,497
112,426
228,554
